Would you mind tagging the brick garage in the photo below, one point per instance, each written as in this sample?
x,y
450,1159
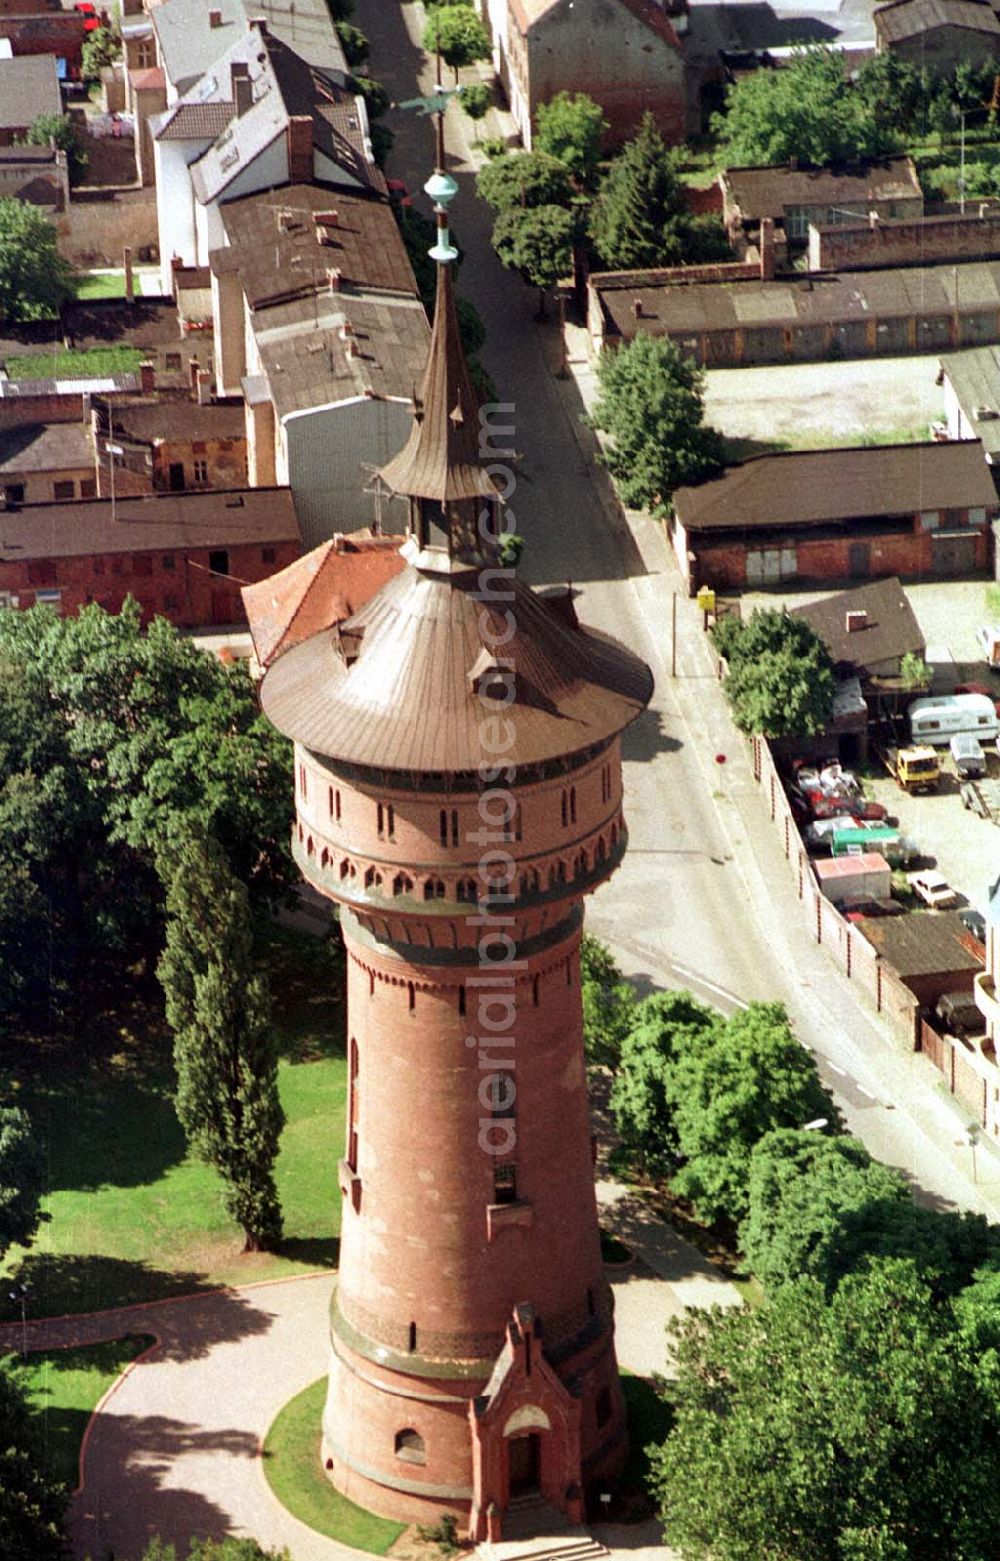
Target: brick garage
x,y
182,556
919,511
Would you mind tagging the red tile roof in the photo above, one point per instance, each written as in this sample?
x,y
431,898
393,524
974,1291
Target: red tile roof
x,y
329,584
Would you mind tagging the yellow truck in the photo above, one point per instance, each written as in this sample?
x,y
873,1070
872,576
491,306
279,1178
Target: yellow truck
x,y
915,769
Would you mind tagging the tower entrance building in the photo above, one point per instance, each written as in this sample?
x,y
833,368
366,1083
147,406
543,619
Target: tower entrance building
x,y
458,792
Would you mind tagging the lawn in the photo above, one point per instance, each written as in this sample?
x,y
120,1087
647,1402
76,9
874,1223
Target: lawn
x,y
90,362
64,1387
295,1475
131,1216
100,284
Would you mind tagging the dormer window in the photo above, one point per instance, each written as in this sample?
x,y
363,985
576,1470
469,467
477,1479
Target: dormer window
x,y
492,679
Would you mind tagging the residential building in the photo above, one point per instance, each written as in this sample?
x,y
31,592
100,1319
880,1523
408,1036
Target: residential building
x,y
181,555
263,118
625,54
802,319
938,35
42,462
917,510
174,443
794,197
29,87
50,32
319,323
472,1334
190,37
867,630
37,175
971,382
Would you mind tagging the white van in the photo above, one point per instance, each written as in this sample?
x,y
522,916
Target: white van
x,y
936,721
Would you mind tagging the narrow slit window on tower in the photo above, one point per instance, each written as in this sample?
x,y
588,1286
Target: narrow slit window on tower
x,y
390,821
413,1337
572,804
504,1183
303,784
565,809
461,1001
443,825
454,826
336,806
381,820
534,990
412,995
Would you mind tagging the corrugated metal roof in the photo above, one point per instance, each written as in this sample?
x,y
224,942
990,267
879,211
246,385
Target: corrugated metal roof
x,y
411,702
809,487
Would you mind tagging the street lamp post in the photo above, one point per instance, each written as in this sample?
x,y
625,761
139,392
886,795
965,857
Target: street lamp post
x,y
972,1139
114,450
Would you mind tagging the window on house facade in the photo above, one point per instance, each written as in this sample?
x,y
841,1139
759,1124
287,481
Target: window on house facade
x,y
142,565
218,561
64,490
98,566
504,1184
977,517
167,561
14,492
172,362
48,598
200,471
267,555
930,519
42,571
410,1447
88,488
170,603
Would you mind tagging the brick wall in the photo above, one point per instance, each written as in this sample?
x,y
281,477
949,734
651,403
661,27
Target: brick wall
x,y
184,590
904,243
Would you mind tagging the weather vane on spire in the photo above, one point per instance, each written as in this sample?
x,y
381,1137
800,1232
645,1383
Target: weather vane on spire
x,y
441,187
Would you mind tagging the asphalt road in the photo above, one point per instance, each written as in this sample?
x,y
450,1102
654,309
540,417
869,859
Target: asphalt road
x,y
704,897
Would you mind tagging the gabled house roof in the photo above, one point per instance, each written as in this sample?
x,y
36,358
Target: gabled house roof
x,y
904,19
889,631
527,12
219,518
975,378
810,487
768,191
190,45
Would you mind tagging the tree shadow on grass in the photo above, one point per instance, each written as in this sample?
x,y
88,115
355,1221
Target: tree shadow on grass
x,y
317,1251
125,1500
105,1129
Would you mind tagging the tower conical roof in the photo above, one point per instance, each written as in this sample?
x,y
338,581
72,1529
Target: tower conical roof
x,y
441,459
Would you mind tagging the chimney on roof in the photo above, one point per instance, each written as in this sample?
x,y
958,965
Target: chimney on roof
x,y
147,377
873,219
260,22
766,241
242,87
333,279
193,367
299,136
855,619
215,18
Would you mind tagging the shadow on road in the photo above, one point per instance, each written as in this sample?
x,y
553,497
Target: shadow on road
x,y
125,1502
647,737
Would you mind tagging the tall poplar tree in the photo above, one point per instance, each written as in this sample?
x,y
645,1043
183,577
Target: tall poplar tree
x,y
225,1055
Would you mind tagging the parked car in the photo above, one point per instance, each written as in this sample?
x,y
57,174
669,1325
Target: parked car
x,y
967,753
979,688
959,1012
973,921
933,888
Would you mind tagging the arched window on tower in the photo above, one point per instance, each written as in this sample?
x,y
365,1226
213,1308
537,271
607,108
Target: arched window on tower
x,y
410,1447
434,889
402,884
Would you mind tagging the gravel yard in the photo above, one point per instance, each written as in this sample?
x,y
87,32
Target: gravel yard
x,y
877,401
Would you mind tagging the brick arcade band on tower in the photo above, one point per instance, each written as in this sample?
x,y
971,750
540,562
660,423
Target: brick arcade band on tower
x,y
471,1340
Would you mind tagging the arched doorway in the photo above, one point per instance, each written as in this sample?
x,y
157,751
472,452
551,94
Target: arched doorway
x,y
524,1453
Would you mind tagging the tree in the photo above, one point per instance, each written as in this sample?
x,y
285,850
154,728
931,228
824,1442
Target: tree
x,y
571,127
829,1429
893,93
456,33
637,219
59,130
225,1054
914,671
650,403
609,1003
808,109
35,280
643,1094
21,1178
475,99
747,1076
31,1502
780,681
355,45
521,179
537,243
102,47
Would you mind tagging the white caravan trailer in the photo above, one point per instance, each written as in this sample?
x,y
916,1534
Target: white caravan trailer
x,y
937,721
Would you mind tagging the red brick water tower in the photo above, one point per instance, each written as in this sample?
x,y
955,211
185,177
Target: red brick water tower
x,y
458,791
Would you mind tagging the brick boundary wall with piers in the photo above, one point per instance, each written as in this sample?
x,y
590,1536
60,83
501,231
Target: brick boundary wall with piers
x,y
873,244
